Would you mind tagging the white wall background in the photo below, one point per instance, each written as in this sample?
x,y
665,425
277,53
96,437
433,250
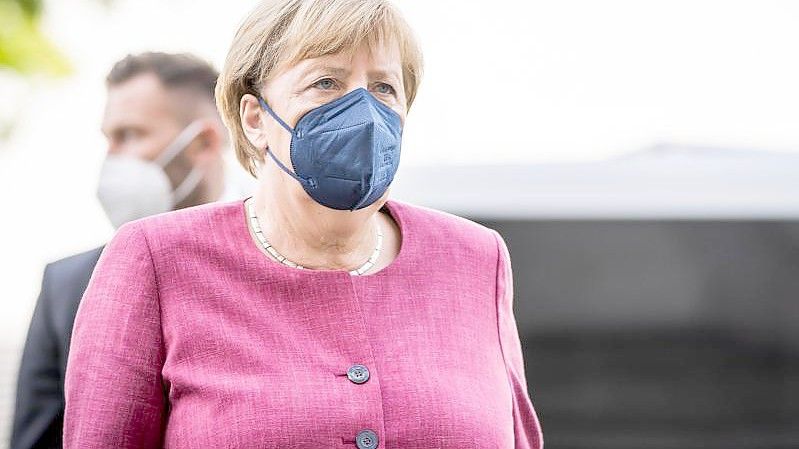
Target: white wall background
x,y
506,81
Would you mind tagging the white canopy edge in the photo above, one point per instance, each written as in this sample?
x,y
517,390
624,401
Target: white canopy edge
x,y
663,183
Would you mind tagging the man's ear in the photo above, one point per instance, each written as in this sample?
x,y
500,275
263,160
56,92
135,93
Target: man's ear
x,y
252,121
209,143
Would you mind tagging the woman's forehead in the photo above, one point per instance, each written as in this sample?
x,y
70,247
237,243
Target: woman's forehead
x,y
377,61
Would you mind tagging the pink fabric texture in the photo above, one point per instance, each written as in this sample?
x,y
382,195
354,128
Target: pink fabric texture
x,y
188,336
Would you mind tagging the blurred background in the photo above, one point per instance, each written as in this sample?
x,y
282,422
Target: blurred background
x,y
639,157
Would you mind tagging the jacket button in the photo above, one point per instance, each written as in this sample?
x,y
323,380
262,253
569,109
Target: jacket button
x,y
366,439
358,374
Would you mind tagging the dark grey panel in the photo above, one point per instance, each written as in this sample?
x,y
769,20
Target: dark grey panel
x,y
656,334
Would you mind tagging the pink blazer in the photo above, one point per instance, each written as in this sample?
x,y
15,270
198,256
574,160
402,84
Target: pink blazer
x,y
188,336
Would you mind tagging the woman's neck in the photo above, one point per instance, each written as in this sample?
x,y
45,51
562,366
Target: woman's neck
x,y
313,235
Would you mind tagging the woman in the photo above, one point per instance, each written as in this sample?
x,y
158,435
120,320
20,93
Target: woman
x,y
318,313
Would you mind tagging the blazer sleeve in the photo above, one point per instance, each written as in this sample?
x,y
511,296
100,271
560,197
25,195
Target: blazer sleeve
x,y
40,398
527,429
113,385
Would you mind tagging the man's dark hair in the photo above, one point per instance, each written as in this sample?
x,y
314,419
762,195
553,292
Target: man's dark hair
x,y
175,71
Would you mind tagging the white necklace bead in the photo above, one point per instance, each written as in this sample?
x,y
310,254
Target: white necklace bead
x,y
256,228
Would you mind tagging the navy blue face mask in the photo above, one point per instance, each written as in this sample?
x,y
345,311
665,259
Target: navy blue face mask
x,y
344,153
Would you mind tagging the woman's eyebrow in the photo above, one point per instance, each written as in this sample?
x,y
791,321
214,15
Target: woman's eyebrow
x,y
385,74
332,70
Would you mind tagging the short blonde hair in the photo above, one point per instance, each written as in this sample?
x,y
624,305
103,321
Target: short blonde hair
x,y
279,33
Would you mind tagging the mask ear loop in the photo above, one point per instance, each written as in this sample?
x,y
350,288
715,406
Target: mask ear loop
x,y
274,116
187,186
190,182
180,143
309,182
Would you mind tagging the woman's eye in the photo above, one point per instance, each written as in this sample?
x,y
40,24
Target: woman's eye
x,y
325,84
383,88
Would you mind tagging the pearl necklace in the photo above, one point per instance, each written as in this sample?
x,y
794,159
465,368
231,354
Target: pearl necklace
x,y
256,227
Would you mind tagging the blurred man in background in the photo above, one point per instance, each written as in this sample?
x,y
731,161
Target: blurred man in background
x,y
165,152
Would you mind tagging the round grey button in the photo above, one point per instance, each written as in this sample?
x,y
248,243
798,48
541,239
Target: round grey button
x,y
358,374
366,439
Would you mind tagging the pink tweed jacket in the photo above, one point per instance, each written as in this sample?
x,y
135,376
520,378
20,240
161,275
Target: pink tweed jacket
x,y
188,336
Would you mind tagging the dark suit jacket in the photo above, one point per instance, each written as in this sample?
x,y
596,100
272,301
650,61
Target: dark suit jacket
x,y
39,412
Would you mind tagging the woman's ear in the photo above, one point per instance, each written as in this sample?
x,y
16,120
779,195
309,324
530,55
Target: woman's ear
x,y
252,122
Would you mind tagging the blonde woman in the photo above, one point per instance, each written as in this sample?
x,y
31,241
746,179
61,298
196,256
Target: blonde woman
x,y
317,313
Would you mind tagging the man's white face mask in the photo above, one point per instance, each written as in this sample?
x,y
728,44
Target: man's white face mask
x,y
131,188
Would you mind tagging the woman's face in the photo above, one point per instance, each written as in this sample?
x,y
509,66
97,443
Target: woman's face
x,y
292,92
